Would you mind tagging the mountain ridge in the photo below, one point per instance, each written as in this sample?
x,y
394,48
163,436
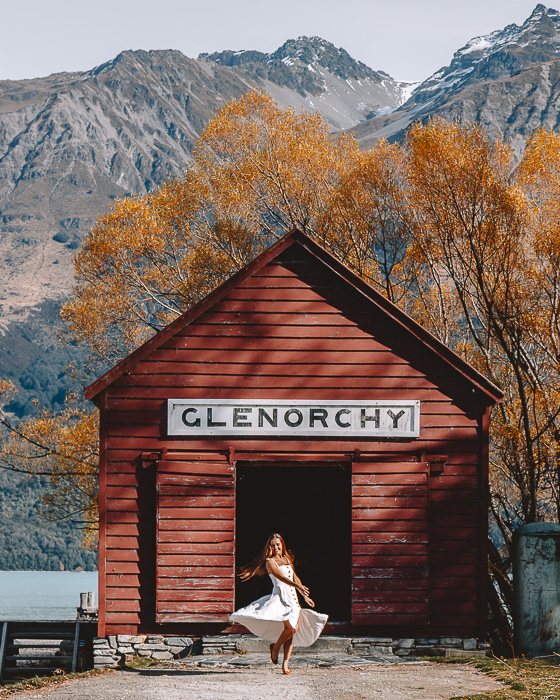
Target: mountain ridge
x,y
72,143
506,80
314,67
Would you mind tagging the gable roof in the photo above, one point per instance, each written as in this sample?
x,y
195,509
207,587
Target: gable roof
x,y
371,296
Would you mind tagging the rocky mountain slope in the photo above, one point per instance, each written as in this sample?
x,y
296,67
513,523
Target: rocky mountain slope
x,y
508,80
325,78
73,142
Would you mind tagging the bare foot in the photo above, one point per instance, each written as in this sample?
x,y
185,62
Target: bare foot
x,y
285,670
273,658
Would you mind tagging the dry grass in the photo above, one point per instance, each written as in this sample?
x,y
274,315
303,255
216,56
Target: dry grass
x,y
58,676
141,662
537,679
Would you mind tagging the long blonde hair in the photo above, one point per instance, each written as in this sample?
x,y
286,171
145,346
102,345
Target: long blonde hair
x,y
258,566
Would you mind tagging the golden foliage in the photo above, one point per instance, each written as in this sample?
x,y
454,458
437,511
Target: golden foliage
x,y
368,223
62,447
258,171
137,270
442,225
477,234
471,217
269,169
7,392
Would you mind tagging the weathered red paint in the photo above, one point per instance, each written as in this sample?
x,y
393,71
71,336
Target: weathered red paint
x,y
294,324
103,529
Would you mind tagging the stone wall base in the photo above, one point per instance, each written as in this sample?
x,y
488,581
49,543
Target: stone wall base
x,y
117,650
436,646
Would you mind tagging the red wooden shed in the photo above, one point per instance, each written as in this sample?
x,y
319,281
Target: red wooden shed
x,y
294,398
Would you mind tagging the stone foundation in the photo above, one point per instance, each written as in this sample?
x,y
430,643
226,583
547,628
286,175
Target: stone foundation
x,y
441,646
120,649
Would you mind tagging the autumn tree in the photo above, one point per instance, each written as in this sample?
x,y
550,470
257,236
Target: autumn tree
x,y
369,225
488,234
258,171
444,225
473,229
62,448
539,174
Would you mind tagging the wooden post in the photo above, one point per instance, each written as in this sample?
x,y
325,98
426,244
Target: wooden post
x,y
3,646
76,647
484,423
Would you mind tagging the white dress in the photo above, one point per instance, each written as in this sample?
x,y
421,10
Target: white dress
x,y
265,617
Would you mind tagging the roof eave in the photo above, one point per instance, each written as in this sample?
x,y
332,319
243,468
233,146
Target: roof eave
x,y
406,321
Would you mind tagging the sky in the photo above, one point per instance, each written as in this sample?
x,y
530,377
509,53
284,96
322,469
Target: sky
x,y
409,39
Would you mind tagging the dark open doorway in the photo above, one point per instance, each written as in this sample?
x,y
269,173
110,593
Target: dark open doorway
x,y
310,506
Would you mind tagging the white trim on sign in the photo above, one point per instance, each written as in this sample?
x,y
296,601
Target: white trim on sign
x,y
284,417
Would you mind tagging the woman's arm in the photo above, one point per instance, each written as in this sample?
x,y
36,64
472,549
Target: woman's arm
x,y
303,590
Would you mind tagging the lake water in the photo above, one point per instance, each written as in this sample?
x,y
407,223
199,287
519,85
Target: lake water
x,y
43,595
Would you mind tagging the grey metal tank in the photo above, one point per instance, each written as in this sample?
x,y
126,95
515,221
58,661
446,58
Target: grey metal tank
x,y
536,581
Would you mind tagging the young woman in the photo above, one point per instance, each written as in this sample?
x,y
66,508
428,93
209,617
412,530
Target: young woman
x,y
278,617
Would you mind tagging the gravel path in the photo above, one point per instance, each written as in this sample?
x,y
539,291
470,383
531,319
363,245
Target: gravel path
x,y
420,681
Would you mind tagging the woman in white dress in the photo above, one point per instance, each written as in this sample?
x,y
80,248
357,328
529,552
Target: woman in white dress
x,y
278,617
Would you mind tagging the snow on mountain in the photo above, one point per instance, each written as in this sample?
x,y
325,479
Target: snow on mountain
x,y
508,80
72,143
500,53
312,73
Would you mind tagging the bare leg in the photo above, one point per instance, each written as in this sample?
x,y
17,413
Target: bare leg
x,y
288,646
287,632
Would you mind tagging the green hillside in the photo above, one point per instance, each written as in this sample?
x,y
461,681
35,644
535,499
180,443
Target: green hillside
x,y
27,540
33,359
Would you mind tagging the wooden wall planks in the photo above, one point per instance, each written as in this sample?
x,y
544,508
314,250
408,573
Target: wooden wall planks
x,y
200,490
391,562
290,331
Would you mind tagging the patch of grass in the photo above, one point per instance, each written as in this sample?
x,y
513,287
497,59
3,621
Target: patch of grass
x,y
58,677
535,679
141,662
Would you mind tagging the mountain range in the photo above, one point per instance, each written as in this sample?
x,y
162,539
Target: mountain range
x,y
71,143
508,81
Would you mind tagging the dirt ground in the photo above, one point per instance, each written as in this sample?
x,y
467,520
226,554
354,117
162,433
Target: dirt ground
x,y
429,681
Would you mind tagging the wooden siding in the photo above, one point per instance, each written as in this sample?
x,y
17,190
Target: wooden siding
x,y
458,532
390,569
195,541
290,331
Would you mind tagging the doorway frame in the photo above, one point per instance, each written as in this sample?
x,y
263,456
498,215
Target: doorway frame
x,y
315,460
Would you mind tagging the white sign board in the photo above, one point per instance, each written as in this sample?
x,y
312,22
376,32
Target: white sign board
x,y
197,417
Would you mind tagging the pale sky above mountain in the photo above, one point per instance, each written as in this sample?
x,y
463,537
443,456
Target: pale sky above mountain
x,y
409,39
